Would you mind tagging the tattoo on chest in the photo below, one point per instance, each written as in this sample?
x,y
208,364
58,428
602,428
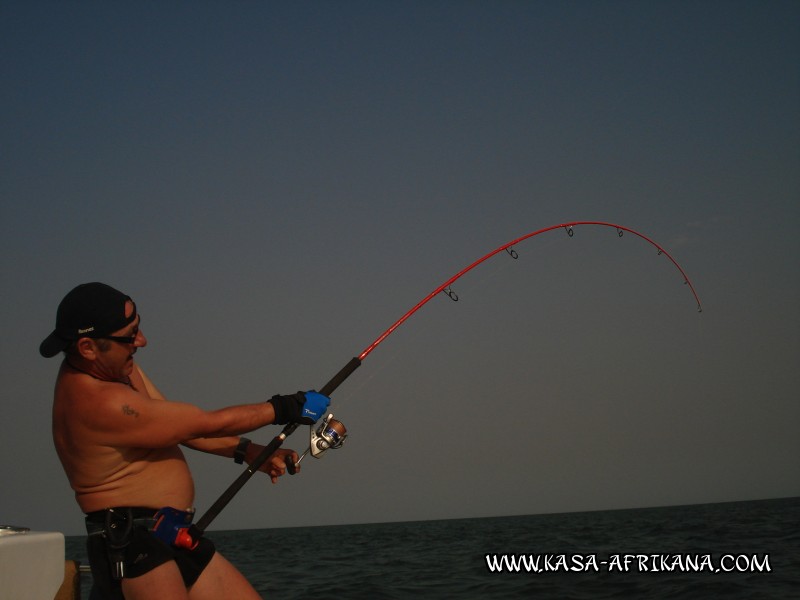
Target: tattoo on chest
x,y
129,411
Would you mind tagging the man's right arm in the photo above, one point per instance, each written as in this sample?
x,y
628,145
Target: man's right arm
x,y
120,416
127,418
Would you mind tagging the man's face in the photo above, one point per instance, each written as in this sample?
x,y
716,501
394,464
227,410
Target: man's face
x,y
116,360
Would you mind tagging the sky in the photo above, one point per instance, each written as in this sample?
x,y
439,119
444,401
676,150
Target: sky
x,y
276,183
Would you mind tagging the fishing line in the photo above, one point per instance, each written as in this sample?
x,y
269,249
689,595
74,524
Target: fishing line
x,y
331,433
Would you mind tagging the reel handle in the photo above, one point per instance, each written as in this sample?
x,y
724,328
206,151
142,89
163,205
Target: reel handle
x,y
291,467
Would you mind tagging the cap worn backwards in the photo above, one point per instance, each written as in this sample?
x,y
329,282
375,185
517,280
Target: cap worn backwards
x,y
91,310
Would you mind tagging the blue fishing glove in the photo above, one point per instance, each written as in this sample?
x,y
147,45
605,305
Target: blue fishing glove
x,y
314,407
304,408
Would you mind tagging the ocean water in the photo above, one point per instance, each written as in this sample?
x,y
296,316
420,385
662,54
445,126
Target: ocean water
x,y
731,550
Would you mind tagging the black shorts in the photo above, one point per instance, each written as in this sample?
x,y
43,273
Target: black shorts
x,y
144,553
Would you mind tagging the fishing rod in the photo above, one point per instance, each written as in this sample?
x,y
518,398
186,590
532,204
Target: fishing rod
x,y
331,433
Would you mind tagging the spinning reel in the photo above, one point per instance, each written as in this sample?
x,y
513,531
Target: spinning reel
x,y
328,435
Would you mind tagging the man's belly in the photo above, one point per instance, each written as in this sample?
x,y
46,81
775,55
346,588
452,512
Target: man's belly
x,y
156,480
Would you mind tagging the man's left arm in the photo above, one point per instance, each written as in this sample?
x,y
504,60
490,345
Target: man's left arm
x,y
226,447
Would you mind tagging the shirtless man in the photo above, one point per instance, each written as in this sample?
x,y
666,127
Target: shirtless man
x,y
118,440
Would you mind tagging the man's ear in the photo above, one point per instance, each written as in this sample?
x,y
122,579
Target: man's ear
x,y
87,348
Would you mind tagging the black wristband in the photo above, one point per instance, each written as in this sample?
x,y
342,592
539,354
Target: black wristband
x,y
288,409
238,454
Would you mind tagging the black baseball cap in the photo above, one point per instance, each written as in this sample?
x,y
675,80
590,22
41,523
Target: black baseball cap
x,y
92,310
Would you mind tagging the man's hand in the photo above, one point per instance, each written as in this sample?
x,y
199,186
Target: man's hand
x,y
314,407
303,408
275,466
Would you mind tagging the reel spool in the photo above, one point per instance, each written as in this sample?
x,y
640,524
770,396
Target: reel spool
x,y
329,435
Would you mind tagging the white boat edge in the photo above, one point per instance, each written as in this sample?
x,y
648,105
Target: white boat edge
x,y
33,565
